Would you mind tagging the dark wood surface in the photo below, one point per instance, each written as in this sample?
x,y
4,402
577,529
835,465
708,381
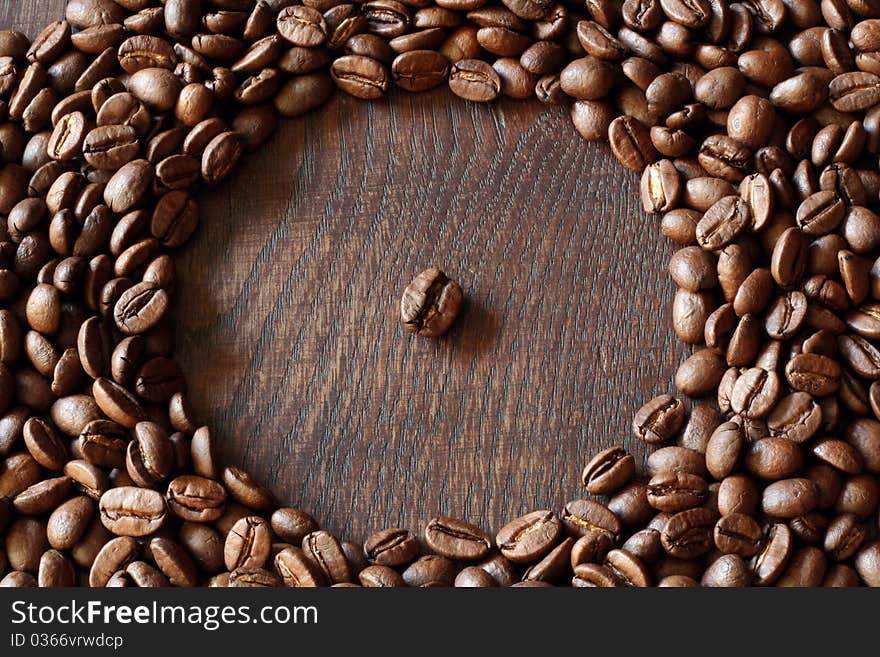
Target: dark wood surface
x,y
287,299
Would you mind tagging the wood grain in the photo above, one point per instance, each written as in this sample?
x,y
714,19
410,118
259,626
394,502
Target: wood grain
x,y
287,297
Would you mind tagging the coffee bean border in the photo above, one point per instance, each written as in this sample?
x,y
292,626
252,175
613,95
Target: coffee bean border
x,y
755,127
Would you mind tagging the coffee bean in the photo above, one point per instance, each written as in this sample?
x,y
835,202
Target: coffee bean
x,y
527,539
700,373
814,374
790,498
220,156
676,491
689,533
723,222
69,522
296,570
246,491
324,550
248,543
67,137
391,547
174,562
430,303
103,443
150,456
456,539
631,506
131,511
659,419
474,80
631,143
114,556
582,516
608,471
196,499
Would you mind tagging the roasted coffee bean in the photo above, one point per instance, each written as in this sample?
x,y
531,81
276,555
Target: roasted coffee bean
x,y
790,498
773,458
659,420
196,499
527,539
248,544
700,373
324,551
103,443
419,70
631,143
474,80
456,539
132,511
246,491
296,570
150,456
69,521
430,303
676,459
631,506
391,547
220,156
688,534
676,491
174,562
582,516
814,374
608,471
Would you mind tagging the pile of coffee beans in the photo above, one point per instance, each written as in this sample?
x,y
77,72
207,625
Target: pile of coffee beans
x,y
755,126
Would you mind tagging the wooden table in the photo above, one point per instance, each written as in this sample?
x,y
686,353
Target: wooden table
x,y
286,308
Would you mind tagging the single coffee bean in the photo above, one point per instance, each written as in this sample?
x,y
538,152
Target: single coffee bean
x,y
196,499
729,570
173,561
631,143
688,534
220,156
131,511
723,222
738,534
473,577
69,521
456,539
362,77
608,471
631,506
419,70
324,550
551,568
391,547
814,374
296,570
430,303
150,456
67,137
790,498
700,373
114,556
659,419
676,459
527,539
431,570
245,490
582,516
103,443
248,544
474,80
676,491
